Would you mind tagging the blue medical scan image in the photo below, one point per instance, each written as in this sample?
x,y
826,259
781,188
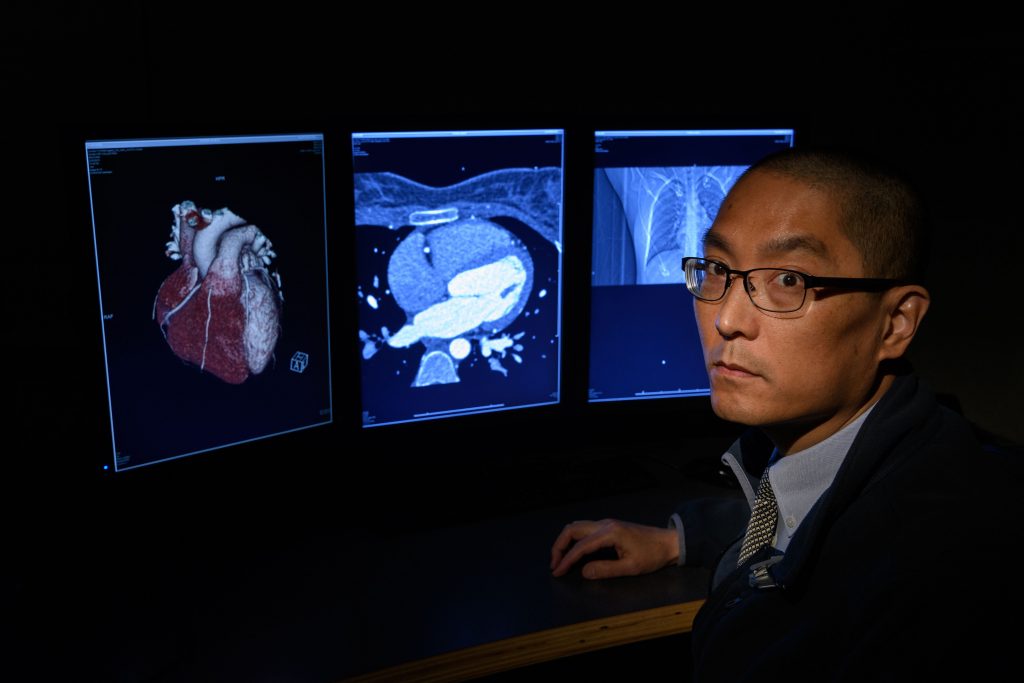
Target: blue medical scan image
x,y
458,289
647,219
656,194
198,321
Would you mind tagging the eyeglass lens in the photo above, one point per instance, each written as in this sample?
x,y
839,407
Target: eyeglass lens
x,y
769,288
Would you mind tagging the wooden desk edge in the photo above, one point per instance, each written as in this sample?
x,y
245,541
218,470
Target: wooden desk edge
x,y
489,658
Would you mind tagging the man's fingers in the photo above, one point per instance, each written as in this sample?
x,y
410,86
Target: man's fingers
x,y
584,546
640,549
571,532
606,569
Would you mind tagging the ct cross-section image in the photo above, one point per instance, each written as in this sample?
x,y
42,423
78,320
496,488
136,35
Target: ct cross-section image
x,y
459,266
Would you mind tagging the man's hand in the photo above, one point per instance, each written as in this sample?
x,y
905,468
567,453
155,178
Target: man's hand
x,y
641,549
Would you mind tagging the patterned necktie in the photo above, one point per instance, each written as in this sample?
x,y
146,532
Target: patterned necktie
x,y
761,530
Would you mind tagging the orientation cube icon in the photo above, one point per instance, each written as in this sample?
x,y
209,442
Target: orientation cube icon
x,y
299,361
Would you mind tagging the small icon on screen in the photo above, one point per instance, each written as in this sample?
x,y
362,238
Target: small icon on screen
x,y
299,361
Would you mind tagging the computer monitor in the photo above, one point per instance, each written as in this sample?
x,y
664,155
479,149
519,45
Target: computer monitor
x,y
458,240
211,264
656,192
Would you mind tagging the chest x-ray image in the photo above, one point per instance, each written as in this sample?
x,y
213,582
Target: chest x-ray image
x,y
656,193
647,219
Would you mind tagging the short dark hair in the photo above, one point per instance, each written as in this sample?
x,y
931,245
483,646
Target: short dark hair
x,y
879,210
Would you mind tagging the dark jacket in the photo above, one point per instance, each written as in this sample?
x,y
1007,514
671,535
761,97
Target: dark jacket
x,y
905,567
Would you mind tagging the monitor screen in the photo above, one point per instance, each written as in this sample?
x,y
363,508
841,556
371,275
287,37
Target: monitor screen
x,y
459,271
211,263
655,195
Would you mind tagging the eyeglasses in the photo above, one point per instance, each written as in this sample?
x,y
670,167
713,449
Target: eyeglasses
x,y
771,289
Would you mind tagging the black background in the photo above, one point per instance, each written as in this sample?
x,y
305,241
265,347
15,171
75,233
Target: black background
x,y
946,109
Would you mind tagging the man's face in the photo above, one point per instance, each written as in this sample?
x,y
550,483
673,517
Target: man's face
x,y
801,375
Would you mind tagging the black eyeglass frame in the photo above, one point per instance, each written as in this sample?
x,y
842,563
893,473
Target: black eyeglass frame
x,y
861,284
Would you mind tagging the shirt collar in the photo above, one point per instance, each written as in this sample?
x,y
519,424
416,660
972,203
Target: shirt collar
x,y
799,479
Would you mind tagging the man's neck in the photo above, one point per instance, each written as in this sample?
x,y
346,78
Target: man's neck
x,y
793,438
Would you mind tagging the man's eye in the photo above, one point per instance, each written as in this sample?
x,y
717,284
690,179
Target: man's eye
x,y
717,269
787,279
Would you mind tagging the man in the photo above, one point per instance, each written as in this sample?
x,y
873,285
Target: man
x,y
879,526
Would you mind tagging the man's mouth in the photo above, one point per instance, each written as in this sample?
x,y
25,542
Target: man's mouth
x,y
732,370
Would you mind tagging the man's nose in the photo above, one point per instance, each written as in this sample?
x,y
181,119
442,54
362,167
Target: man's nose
x,y
737,315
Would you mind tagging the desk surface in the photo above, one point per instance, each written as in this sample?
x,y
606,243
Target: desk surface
x,y
542,646
485,590
449,603
440,603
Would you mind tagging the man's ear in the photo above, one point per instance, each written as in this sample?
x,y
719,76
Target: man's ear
x,y
905,307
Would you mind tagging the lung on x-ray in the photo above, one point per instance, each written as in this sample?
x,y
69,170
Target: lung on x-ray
x,y
459,250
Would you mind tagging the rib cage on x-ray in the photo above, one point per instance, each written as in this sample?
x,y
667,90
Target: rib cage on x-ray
x,y
668,211
668,219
